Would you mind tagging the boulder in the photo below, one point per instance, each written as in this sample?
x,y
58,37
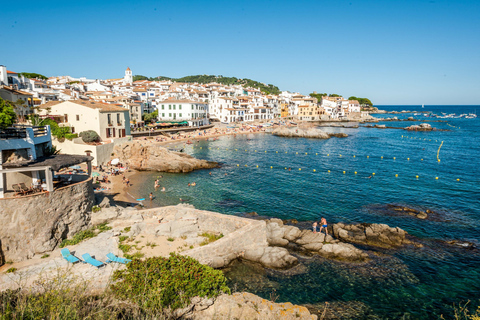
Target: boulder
x,y
277,258
291,233
244,305
298,132
104,215
275,233
342,251
156,158
308,237
105,203
379,235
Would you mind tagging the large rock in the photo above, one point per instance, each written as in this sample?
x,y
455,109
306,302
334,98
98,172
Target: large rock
x,y
244,305
156,158
379,235
342,251
271,257
297,132
275,233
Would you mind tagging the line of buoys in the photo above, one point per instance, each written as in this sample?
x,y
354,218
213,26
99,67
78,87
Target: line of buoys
x,y
438,152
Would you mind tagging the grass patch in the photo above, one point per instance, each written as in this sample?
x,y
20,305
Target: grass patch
x,y
127,229
46,255
125,248
151,244
85,234
210,237
122,238
136,255
96,209
170,239
11,270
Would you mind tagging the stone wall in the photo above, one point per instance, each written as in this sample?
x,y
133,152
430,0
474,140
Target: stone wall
x,y
37,223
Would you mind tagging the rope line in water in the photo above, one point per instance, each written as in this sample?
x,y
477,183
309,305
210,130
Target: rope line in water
x,y
438,152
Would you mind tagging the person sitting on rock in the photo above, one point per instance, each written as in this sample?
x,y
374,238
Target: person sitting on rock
x,y
314,226
323,224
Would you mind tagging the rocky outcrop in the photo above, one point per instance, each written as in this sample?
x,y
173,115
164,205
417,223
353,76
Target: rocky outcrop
x,y
271,257
304,133
244,305
156,158
378,235
307,240
421,127
37,223
410,211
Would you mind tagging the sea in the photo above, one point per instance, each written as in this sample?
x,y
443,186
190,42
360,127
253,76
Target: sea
x,y
352,180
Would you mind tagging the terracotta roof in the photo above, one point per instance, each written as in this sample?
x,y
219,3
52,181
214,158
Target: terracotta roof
x,y
182,101
103,107
11,72
128,69
16,91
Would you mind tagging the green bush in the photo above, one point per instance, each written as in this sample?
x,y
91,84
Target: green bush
x,y
157,283
71,136
96,209
11,270
85,234
210,237
89,136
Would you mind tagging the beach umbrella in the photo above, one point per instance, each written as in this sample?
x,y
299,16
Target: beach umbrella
x,y
95,174
115,161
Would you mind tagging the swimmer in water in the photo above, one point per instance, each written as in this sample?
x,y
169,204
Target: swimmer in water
x,y
163,189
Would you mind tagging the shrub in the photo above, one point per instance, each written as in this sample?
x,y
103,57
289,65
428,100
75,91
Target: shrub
x,y
170,239
127,229
85,234
10,270
71,136
89,136
96,209
210,237
46,255
157,283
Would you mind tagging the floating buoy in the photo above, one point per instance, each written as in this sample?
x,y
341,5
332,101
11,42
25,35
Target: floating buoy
x,y
285,168
276,151
200,147
209,148
316,154
340,155
285,151
343,172
373,174
299,169
255,150
257,165
265,151
328,154
408,158
458,179
354,156
416,177
381,157
436,178
438,160
235,149
328,170
306,153
314,170
396,175
245,150
355,172
271,167
394,158
296,152
238,165
368,156
246,166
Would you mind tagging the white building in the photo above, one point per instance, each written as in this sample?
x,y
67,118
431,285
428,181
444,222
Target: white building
x,y
128,78
194,112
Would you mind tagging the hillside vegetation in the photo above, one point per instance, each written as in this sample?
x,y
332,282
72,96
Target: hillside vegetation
x,y
265,88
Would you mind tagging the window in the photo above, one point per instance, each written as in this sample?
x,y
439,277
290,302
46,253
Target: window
x,y
170,115
163,114
169,107
118,118
163,107
109,119
180,115
173,107
179,107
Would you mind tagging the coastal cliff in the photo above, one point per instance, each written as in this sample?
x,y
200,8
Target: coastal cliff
x,y
156,158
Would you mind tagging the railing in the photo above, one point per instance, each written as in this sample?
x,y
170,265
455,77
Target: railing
x,y
13,133
39,131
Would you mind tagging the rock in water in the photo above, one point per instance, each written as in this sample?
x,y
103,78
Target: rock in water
x,y
156,158
301,133
379,235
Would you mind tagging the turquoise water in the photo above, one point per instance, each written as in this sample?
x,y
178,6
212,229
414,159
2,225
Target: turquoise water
x,y
419,283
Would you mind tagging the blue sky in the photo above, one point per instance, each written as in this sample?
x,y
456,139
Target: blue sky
x,y
391,51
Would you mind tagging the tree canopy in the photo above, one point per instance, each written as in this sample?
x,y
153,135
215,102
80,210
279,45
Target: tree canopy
x,y
151,117
32,75
362,101
7,114
265,88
